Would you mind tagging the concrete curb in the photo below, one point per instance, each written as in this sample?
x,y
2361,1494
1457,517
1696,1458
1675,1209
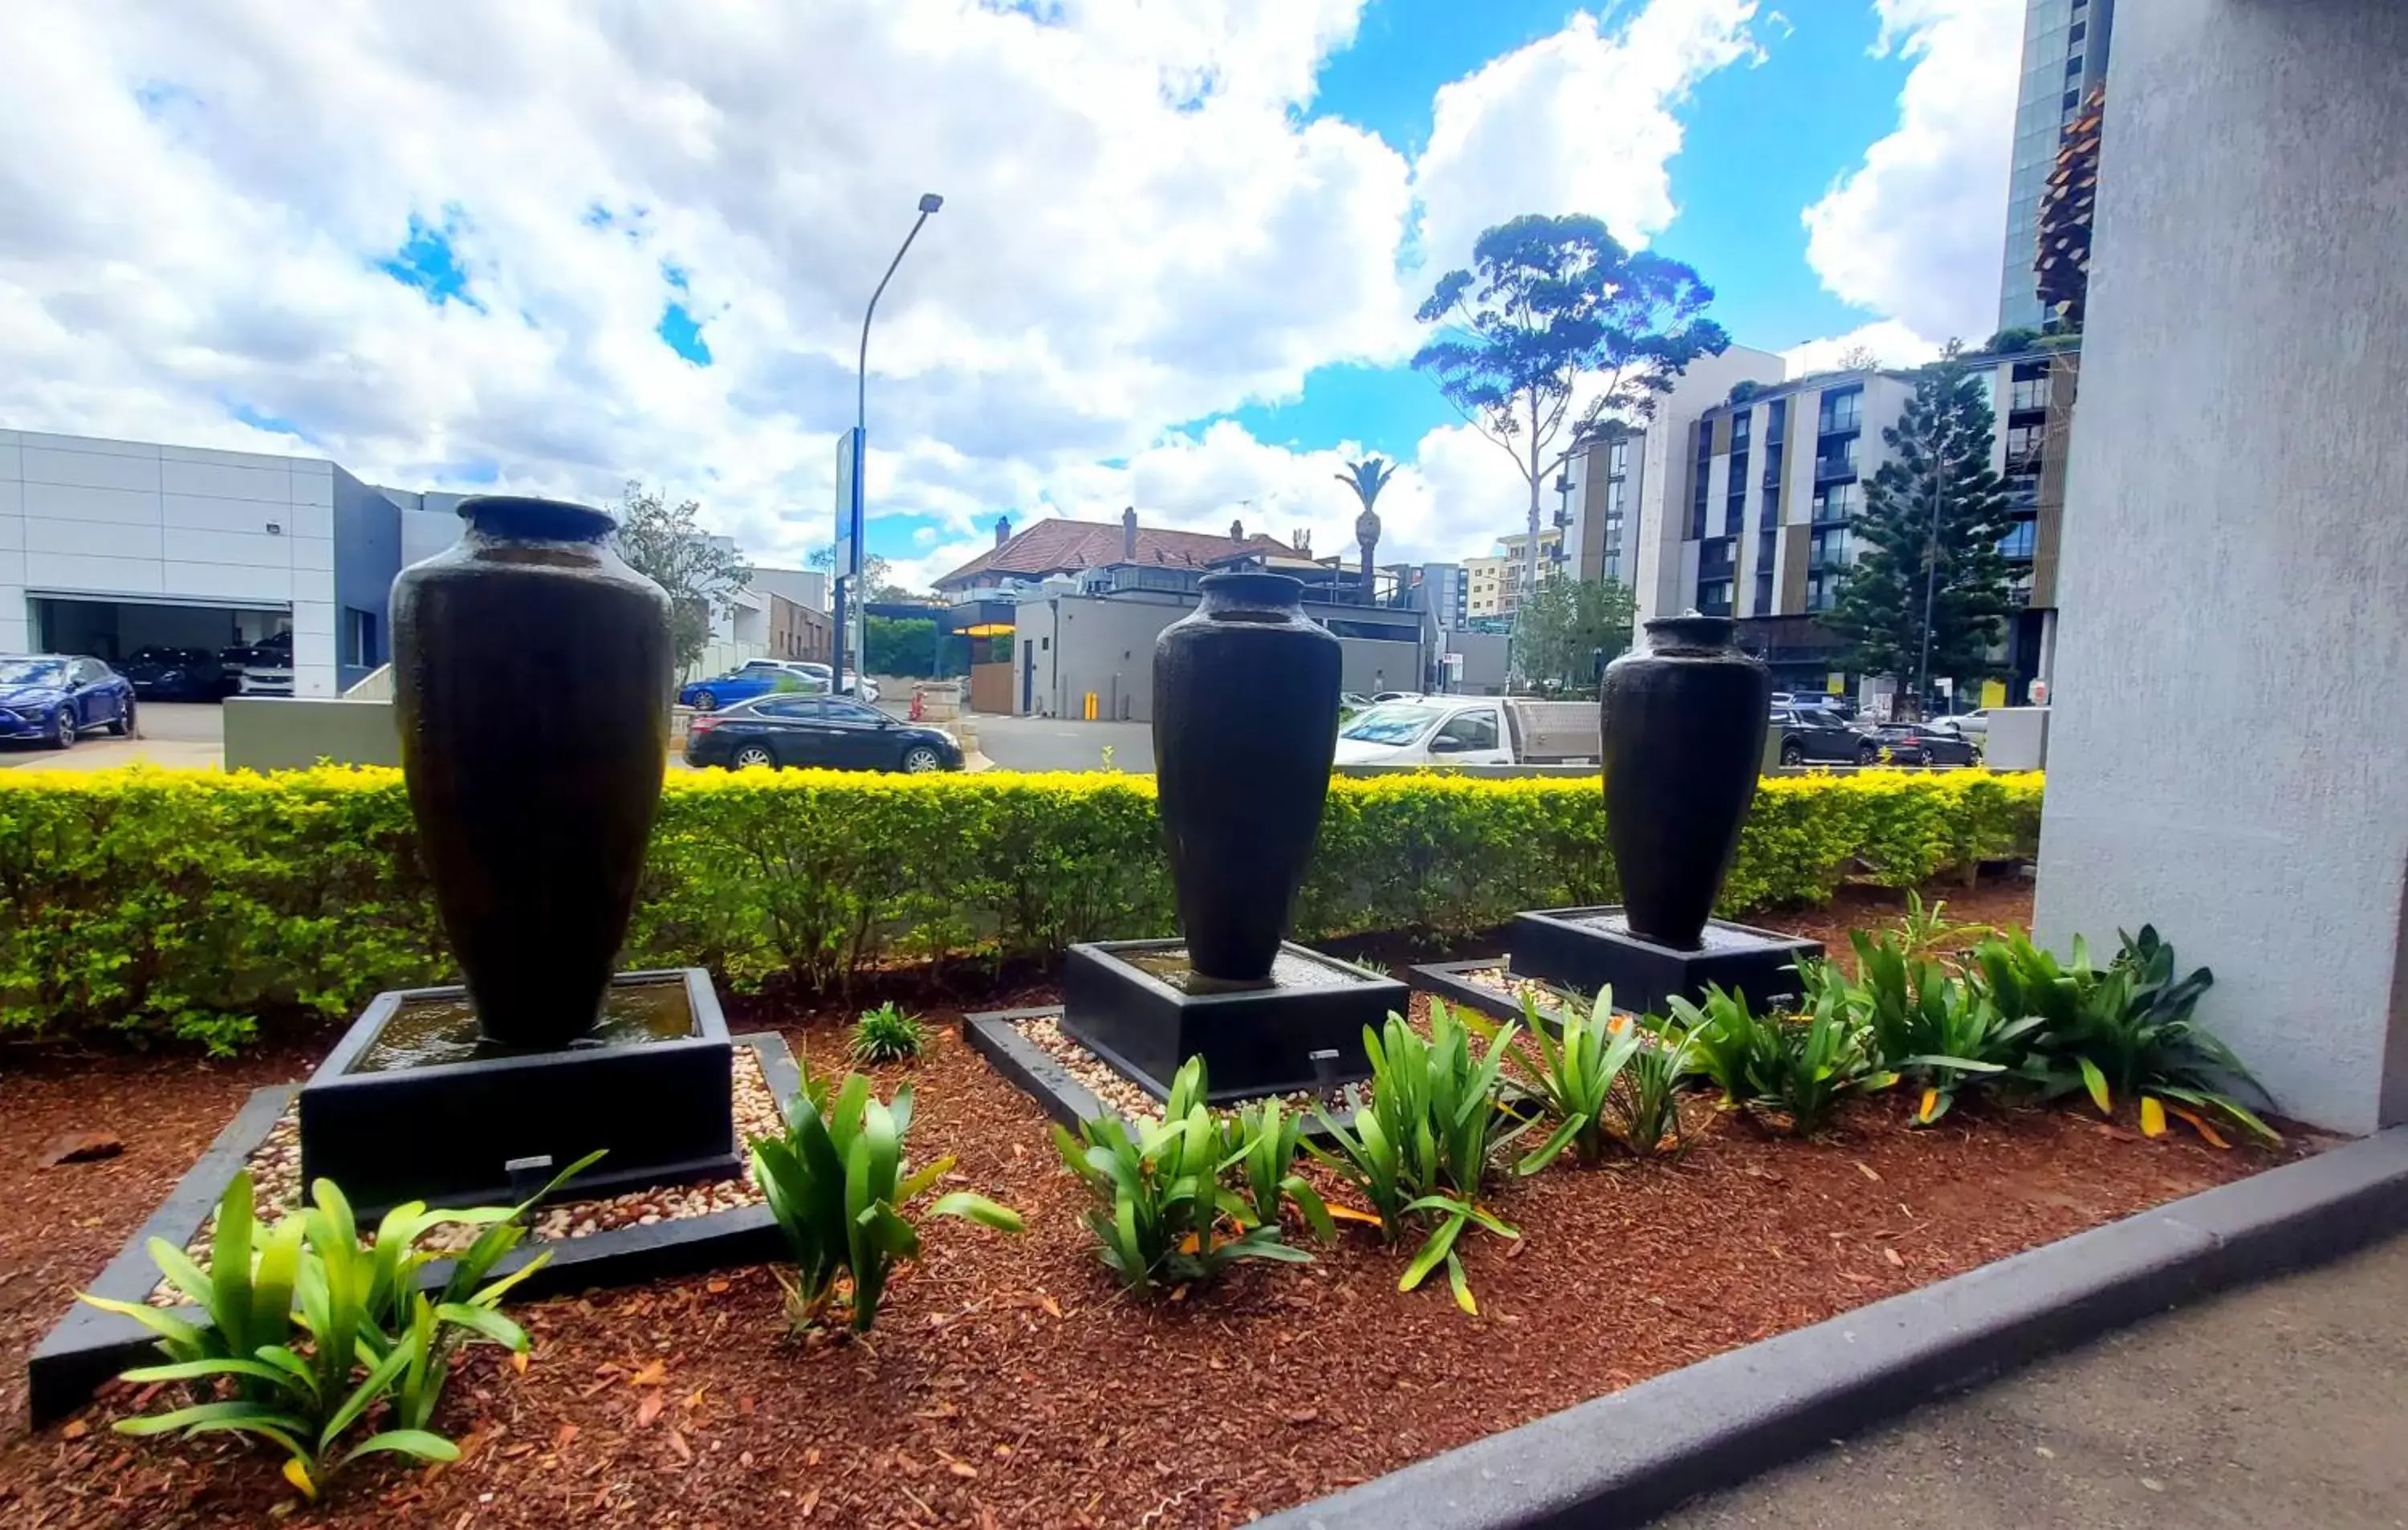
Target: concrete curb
x,y
1624,1458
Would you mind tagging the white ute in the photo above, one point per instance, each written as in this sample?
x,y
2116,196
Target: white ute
x,y
1472,730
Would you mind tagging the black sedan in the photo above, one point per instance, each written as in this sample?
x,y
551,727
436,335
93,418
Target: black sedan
x,y
1911,744
834,732
1817,735
160,673
52,697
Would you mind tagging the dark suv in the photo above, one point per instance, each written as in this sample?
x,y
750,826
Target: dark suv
x,y
1815,735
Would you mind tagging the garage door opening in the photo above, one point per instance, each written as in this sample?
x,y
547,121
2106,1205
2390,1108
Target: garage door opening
x,y
114,630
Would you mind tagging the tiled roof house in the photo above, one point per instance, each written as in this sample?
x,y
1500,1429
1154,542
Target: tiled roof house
x,y
1047,548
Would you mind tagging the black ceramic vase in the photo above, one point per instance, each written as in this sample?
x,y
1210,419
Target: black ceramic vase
x,y
1684,720
1245,723
532,671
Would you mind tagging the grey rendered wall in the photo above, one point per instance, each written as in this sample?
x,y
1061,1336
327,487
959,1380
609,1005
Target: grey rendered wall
x,y
367,555
2228,757
1107,646
284,732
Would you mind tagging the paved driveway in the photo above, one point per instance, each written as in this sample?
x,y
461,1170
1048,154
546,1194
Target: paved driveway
x,y
173,733
1047,743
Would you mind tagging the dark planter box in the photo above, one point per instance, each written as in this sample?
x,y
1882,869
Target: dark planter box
x,y
1253,1042
89,1346
1588,948
446,1132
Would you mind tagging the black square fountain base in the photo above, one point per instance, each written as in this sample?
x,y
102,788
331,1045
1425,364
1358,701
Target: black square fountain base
x,y
1130,1003
411,1105
1589,948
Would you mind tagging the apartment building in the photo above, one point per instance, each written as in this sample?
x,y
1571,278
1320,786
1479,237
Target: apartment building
x,y
2065,56
1775,480
1488,587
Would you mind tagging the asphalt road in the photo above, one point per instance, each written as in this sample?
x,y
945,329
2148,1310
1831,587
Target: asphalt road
x,y
2284,1405
1046,743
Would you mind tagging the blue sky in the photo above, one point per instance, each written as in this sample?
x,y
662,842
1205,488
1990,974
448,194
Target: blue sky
x,y
1759,143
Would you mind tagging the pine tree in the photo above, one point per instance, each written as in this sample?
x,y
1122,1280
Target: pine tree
x,y
1928,542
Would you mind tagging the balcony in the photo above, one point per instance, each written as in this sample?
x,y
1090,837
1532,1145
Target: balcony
x,y
1831,470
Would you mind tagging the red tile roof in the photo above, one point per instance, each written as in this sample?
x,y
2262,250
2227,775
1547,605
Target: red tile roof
x,y
1063,546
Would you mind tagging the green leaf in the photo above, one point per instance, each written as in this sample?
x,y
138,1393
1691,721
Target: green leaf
x,y
485,1321
2096,1083
978,1209
1431,1253
424,1444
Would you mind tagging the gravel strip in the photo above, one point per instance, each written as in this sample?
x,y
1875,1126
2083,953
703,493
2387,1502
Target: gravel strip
x,y
276,1185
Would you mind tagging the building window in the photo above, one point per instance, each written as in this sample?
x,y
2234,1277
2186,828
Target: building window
x,y
2077,31
1618,459
1822,590
1715,597
1776,420
1838,502
2074,67
2072,99
1735,499
1827,548
360,649
1842,411
2019,543
1699,470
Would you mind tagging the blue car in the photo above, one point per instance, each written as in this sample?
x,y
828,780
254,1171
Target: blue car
x,y
756,678
52,697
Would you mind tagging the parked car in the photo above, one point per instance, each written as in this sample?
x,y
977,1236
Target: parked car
x,y
52,697
1472,730
1972,725
854,684
758,678
264,668
1908,743
1817,734
837,732
160,673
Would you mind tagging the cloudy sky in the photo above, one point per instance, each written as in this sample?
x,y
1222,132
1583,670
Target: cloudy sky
x,y
554,244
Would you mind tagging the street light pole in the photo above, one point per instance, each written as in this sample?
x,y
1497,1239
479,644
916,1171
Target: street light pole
x,y
846,577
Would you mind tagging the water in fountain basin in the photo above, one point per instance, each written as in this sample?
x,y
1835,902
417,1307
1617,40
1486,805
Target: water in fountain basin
x,y
1171,965
427,1032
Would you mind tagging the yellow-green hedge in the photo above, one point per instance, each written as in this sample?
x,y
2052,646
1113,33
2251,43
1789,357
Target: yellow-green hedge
x,y
191,902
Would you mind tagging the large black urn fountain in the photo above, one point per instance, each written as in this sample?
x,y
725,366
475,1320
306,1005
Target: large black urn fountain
x,y
1684,720
532,671
1245,724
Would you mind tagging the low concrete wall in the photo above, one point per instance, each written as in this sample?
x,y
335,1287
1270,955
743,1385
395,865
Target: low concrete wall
x,y
2018,738
293,733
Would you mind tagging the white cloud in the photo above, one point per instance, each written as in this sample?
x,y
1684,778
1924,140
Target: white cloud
x,y
1892,343
1914,232
1579,122
194,199
1141,227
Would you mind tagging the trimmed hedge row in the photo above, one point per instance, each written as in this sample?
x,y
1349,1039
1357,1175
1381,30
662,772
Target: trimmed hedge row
x,y
191,902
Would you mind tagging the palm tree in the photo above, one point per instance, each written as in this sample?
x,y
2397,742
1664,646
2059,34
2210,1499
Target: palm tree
x,y
1367,479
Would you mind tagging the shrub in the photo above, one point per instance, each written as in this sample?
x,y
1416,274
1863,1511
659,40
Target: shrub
x,y
190,903
2121,1031
1419,1152
362,1337
1164,1213
888,1033
1798,1066
1578,1077
838,1186
1927,1026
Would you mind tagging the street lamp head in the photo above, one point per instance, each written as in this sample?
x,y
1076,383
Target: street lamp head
x,y
930,201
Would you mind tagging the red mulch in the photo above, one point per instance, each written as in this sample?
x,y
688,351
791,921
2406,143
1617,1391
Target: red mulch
x,y
1008,1381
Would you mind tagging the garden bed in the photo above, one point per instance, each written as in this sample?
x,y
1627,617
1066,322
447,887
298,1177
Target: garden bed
x,y
1009,1381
